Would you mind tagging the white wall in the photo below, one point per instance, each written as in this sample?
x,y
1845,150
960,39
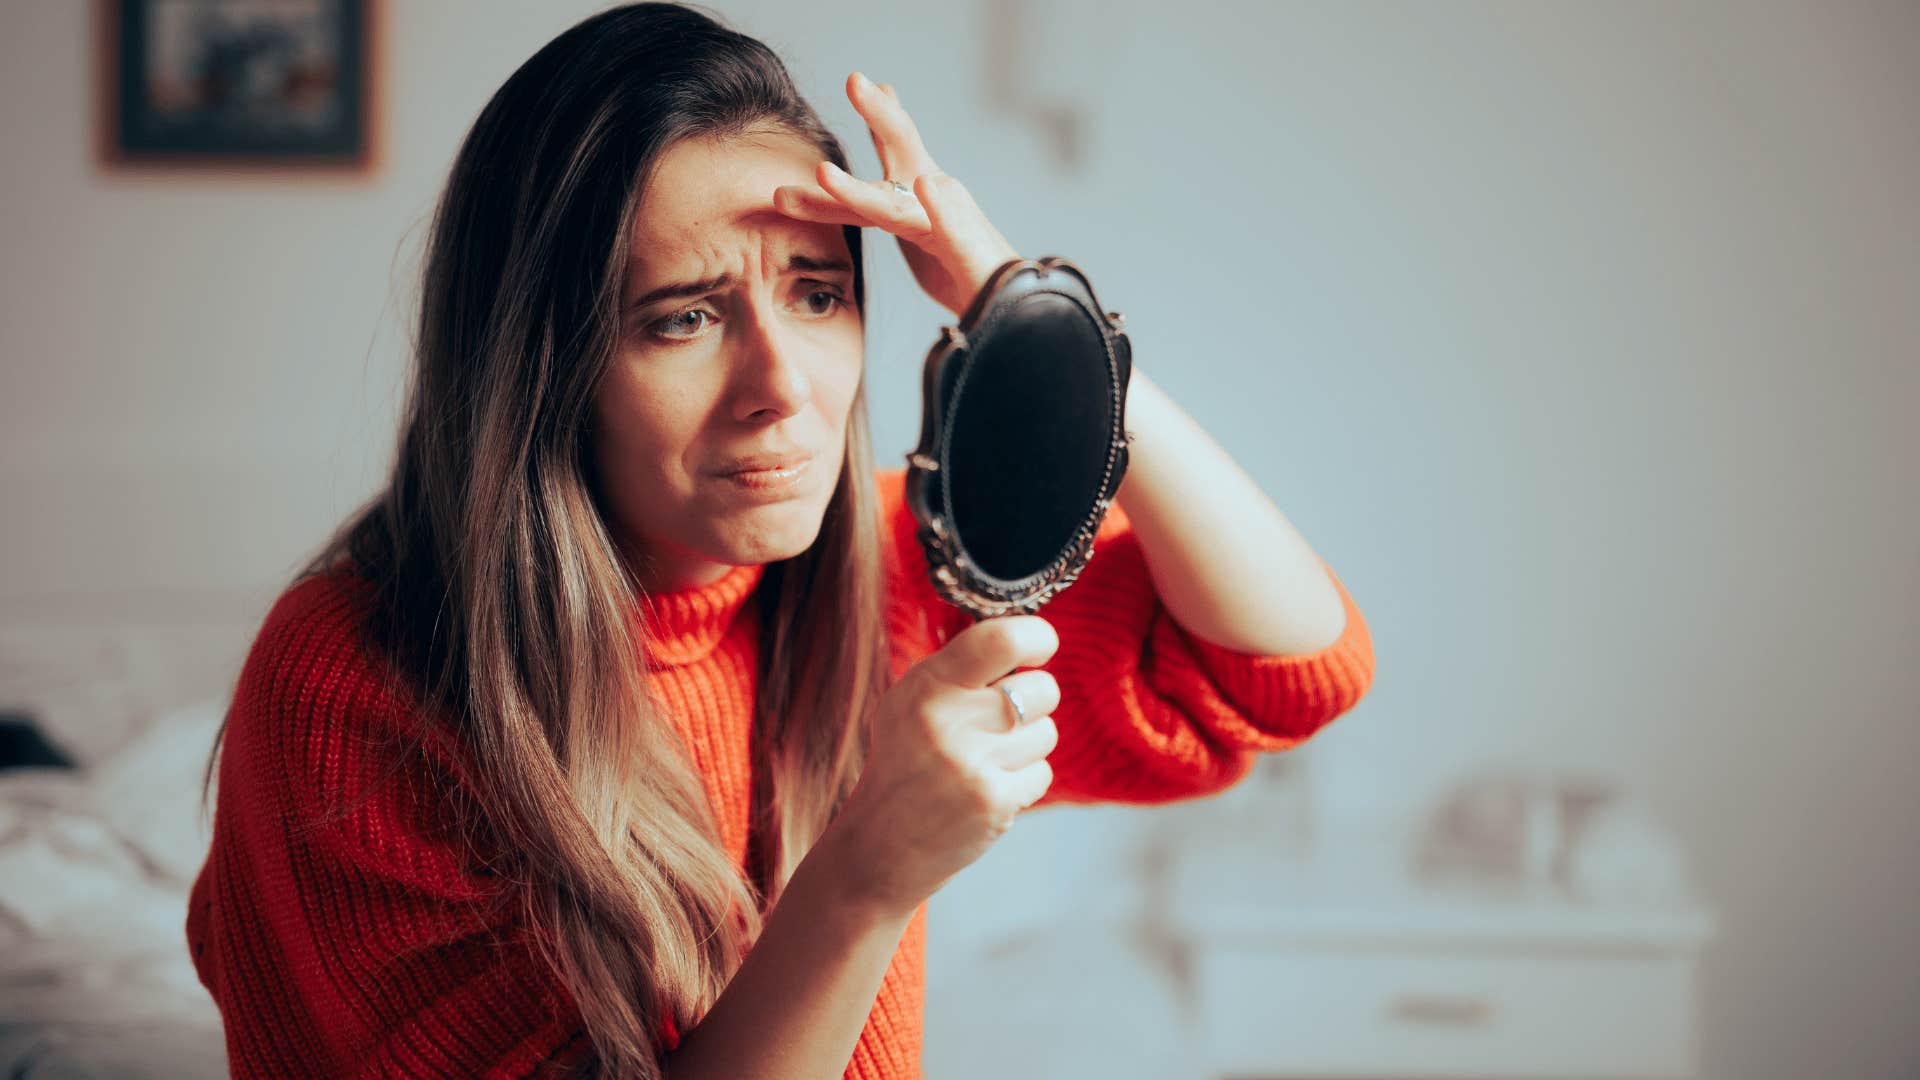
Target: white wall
x,y
1578,338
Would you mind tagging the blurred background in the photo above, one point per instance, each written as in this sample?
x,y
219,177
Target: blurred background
x,y
1582,340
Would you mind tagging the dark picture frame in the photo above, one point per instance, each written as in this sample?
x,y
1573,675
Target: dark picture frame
x,y
237,84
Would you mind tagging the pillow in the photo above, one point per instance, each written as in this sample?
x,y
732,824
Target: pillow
x,y
148,789
64,874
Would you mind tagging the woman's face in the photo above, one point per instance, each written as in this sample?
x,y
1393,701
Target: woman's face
x,y
756,350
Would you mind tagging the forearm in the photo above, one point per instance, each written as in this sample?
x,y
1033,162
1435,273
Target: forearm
x,y
1228,565
797,1004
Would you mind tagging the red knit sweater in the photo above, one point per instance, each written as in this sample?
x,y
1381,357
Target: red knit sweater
x,y
355,949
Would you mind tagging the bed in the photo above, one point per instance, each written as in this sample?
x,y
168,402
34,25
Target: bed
x,y
96,860
95,863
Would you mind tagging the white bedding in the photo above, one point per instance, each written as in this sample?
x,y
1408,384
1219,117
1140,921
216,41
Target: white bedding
x,y
95,979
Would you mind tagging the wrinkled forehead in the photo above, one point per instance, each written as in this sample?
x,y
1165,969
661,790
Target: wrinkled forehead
x,y
710,202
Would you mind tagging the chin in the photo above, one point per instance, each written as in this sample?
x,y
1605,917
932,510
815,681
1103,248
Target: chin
x,y
779,533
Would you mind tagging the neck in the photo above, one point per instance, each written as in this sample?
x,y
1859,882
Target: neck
x,y
664,571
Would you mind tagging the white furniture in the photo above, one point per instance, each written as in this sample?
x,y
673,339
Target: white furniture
x,y
1296,971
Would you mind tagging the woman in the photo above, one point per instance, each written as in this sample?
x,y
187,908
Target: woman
x,y
602,739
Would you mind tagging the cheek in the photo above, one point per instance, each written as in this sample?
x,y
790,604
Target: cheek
x,y
843,376
635,439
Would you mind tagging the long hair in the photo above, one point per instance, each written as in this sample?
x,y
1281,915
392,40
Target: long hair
x,y
500,594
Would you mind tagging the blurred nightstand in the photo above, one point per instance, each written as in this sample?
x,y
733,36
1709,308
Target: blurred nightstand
x,y
1292,969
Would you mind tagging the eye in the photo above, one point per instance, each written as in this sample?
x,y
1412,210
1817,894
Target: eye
x,y
834,299
661,328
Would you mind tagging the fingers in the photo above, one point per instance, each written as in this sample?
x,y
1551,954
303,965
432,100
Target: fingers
x,y
812,203
877,202
1025,786
880,147
1037,690
841,199
988,712
895,137
993,648
1009,744
1024,745
976,245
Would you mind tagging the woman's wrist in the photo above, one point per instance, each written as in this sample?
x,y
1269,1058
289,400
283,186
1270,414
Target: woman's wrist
x,y
799,1001
834,868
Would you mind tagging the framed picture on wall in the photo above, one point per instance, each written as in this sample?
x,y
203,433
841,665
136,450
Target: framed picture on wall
x,y
237,83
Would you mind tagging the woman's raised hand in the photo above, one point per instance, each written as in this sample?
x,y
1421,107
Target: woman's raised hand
x,y
947,769
948,242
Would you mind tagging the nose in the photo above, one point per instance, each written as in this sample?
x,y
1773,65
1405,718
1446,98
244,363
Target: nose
x,y
773,382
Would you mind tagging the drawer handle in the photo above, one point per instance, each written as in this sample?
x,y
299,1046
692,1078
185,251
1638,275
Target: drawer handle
x,y
1437,1009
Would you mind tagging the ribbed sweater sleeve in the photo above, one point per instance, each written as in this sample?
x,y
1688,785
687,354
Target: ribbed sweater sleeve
x,y
1150,712
340,925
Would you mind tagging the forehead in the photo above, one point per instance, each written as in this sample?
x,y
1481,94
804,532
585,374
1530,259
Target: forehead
x,y
708,197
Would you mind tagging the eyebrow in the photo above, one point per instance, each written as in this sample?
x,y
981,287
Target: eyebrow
x,y
698,288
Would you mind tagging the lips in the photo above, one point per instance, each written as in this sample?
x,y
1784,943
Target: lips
x,y
764,462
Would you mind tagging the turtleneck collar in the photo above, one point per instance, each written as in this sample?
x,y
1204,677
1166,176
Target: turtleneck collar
x,y
686,625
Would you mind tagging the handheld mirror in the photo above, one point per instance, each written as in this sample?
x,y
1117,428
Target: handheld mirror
x,y
1022,439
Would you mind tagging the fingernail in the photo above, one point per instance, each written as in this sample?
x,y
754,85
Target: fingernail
x,y
862,79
